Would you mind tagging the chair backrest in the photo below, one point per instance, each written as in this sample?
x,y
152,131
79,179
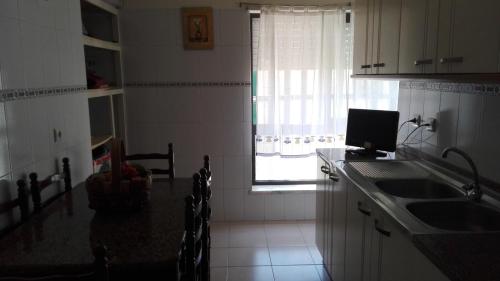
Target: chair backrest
x,y
22,201
99,272
157,156
37,186
191,253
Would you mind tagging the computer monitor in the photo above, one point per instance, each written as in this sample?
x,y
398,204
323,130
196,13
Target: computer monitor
x,y
372,130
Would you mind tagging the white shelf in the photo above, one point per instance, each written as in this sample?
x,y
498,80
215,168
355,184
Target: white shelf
x,y
102,44
97,93
103,5
98,141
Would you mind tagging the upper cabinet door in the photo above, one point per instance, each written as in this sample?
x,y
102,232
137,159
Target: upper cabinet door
x,y
360,49
412,38
387,50
468,36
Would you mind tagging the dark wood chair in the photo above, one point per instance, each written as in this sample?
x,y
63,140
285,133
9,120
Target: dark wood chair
x,y
206,194
156,156
98,272
37,186
22,201
190,256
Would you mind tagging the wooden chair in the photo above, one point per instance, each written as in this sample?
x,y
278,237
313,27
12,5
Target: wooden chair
x,y
37,187
99,271
190,256
22,201
156,156
206,194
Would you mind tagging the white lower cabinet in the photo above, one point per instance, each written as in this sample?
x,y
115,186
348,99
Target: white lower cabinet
x,y
377,249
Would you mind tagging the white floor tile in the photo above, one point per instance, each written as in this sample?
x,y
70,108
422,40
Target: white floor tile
x,y
254,273
290,256
218,274
296,273
249,256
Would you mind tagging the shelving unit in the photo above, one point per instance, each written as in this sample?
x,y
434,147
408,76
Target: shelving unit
x,y
101,39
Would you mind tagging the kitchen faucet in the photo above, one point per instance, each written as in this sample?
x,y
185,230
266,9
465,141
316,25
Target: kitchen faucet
x,y
472,190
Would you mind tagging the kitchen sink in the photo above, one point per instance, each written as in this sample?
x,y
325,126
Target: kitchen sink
x,y
418,188
456,215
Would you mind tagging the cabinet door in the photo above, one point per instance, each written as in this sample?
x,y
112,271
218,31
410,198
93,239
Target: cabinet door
x,y
357,214
329,224
339,228
387,43
320,205
397,252
412,38
476,36
360,37
423,269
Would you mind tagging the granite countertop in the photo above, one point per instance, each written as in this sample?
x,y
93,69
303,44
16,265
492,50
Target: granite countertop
x,y
460,256
62,236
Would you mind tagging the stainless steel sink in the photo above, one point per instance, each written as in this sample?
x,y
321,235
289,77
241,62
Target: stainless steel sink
x,y
456,215
418,188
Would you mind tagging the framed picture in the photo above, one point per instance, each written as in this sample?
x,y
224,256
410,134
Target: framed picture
x,y
197,24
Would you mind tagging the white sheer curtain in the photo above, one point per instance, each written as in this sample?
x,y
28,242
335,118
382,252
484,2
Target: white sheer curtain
x,y
304,90
303,69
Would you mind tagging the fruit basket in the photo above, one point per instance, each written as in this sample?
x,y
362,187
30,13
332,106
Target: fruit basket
x,y
125,188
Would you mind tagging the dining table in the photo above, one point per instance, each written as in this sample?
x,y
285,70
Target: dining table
x,y
140,244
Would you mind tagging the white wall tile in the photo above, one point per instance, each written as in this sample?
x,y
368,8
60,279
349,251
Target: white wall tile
x,y
231,24
11,71
448,118
8,8
233,138
50,58
470,114
217,204
4,145
32,55
275,207
489,138
65,57
61,14
18,130
431,110
310,206
233,172
40,132
233,207
255,207
404,102
75,17
294,206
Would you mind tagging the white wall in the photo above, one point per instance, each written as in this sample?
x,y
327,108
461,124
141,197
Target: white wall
x,y
41,48
199,119
467,115
141,4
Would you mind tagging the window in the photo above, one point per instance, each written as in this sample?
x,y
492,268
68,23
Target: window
x,y
301,90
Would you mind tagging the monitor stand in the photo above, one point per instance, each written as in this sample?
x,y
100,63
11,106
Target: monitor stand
x,y
365,153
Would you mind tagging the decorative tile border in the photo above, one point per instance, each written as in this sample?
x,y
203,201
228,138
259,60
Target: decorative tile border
x,y
161,84
468,88
17,94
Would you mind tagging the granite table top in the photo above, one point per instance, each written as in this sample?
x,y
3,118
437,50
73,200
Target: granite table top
x,y
62,236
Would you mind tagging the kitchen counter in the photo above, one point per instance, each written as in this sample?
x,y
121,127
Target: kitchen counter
x,y
461,256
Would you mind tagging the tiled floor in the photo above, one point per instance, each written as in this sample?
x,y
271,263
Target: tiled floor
x,y
268,251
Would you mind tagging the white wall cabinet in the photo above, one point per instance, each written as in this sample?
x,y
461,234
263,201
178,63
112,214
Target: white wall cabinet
x,y
468,40
376,36
426,36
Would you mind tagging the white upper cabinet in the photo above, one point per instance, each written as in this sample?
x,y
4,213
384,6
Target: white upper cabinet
x,y
387,20
418,38
360,62
469,36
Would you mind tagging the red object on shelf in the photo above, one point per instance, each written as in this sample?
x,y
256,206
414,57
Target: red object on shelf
x,y
95,82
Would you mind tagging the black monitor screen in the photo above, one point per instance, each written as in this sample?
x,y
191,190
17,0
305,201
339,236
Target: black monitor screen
x,y
372,129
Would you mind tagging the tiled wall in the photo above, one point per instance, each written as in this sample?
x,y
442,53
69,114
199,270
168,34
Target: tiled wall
x,y
200,101
468,117
41,64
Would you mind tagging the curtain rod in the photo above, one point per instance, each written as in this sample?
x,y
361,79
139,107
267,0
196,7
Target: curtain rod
x,y
257,6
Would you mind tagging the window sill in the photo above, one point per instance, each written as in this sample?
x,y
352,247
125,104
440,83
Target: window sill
x,y
296,188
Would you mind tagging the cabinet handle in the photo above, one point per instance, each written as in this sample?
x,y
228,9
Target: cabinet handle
x,y
325,170
366,66
381,230
334,176
379,64
451,60
424,61
363,211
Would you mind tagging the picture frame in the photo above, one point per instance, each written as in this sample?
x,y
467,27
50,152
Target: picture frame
x,y
197,25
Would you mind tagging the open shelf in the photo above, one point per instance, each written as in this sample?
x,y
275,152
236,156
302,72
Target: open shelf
x,y
97,93
101,44
98,141
103,6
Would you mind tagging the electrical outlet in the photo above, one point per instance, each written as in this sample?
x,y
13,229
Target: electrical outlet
x,y
432,124
418,120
